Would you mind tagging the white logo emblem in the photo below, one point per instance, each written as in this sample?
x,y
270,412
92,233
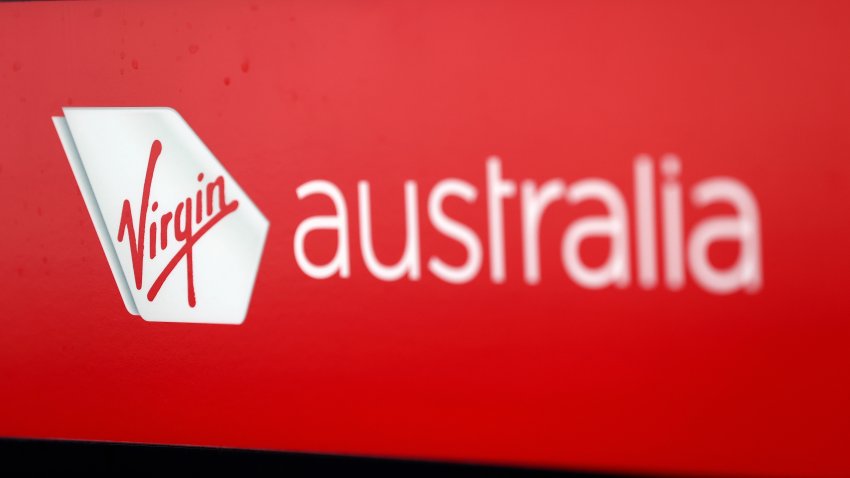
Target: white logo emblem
x,y
183,240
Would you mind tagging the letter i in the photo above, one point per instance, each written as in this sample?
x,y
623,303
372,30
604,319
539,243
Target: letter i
x,y
153,232
671,194
199,209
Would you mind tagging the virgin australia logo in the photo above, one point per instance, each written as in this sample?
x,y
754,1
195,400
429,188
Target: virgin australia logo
x,y
207,231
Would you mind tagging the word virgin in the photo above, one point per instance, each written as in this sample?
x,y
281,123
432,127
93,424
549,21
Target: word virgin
x,y
177,224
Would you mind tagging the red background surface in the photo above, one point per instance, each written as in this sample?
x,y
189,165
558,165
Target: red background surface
x,y
550,375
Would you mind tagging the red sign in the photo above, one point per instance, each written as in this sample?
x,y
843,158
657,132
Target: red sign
x,y
590,235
